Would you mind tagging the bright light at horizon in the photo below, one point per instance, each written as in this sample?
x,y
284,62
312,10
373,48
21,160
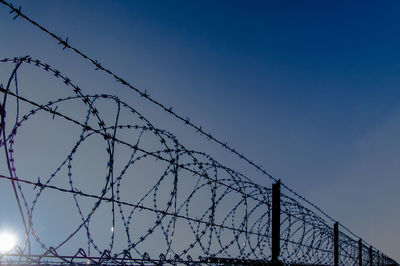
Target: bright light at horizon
x,y
7,241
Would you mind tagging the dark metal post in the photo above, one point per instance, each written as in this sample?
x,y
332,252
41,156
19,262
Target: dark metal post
x,y
371,258
378,255
336,243
276,221
360,252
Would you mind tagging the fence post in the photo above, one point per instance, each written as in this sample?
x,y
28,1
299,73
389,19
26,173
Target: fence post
x,y
276,221
379,262
371,258
336,243
360,252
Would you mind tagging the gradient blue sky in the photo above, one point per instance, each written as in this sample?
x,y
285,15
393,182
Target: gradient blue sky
x,y
308,89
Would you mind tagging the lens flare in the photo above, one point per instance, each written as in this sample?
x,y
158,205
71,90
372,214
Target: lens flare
x,y
7,241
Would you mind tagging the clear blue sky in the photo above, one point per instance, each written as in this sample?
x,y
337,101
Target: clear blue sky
x,y
308,89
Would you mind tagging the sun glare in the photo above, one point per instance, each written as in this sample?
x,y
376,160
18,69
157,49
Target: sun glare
x,y
7,241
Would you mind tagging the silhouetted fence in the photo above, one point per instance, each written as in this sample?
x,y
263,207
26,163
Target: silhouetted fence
x,y
95,182
158,201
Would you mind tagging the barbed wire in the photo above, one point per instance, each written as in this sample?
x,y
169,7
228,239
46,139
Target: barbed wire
x,y
65,44
193,207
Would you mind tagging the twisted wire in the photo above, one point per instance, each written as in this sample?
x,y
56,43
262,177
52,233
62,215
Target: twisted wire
x,y
193,208
65,44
